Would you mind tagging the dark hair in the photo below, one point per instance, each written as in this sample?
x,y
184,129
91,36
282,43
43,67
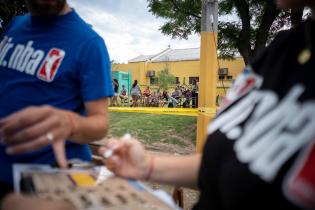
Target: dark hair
x,y
134,83
165,94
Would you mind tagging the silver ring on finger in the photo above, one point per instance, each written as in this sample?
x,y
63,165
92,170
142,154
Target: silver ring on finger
x,y
50,137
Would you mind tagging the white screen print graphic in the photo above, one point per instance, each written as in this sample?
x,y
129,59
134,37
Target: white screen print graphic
x,y
23,57
274,131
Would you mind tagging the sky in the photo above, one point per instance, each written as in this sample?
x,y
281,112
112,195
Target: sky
x,y
128,28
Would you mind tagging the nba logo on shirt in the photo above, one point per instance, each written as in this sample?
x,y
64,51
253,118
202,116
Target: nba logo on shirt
x,y
50,65
244,83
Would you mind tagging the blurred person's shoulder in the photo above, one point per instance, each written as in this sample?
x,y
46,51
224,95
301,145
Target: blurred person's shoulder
x,y
18,20
82,28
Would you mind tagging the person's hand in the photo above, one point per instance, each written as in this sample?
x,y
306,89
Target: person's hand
x,y
36,127
129,159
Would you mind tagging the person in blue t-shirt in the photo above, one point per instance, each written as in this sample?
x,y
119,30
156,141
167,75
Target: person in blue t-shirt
x,y
54,83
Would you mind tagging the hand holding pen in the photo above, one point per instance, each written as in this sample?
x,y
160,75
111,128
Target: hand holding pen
x,y
127,158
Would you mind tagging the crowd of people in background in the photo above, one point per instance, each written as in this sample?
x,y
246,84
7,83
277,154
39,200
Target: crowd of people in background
x,y
184,96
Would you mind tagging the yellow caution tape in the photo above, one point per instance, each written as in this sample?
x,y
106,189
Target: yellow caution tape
x,y
83,179
170,111
157,110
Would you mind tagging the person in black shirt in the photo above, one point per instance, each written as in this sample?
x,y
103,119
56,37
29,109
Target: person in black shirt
x,y
260,149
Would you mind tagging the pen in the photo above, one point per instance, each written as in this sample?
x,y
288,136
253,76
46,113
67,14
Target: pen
x,y
109,152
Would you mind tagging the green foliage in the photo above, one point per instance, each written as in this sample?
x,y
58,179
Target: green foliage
x,y
256,23
164,79
183,16
10,8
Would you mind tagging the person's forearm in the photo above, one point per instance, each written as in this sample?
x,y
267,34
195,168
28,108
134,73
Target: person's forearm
x,y
88,128
180,171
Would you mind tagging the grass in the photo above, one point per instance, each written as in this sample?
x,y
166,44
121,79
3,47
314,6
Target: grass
x,y
150,128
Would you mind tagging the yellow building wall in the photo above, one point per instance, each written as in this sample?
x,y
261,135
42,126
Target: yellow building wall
x,y
181,69
235,66
138,70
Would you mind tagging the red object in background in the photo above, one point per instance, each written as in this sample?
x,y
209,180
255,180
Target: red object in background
x,y
301,184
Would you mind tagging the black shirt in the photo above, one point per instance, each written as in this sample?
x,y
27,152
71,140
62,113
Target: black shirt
x,y
260,151
116,85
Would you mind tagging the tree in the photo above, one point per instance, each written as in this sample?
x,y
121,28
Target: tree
x,y
8,9
256,23
165,79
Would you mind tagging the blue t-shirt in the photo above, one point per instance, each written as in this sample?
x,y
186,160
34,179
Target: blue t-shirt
x,y
59,61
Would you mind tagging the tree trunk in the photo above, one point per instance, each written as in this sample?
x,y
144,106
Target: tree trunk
x,y
245,53
243,42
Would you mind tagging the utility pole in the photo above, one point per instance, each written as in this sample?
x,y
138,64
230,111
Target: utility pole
x,y
208,69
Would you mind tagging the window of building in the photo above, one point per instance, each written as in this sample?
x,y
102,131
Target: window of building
x,y
229,77
193,78
223,71
177,80
221,77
